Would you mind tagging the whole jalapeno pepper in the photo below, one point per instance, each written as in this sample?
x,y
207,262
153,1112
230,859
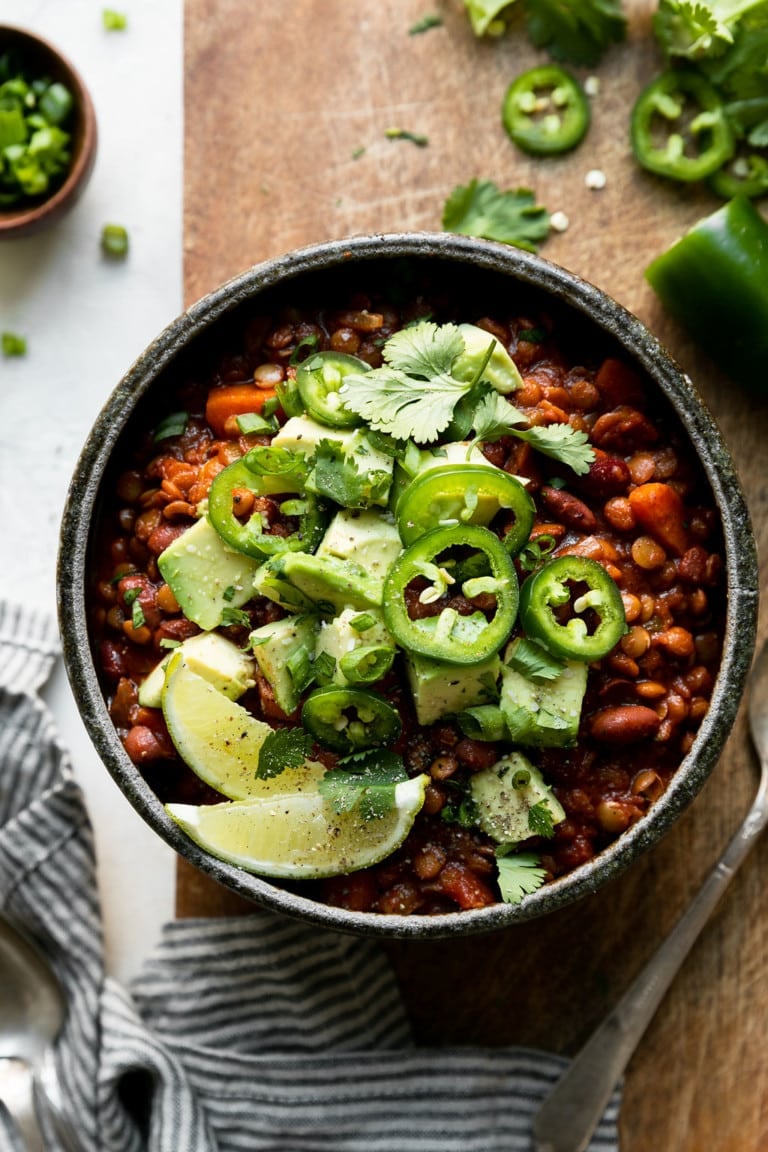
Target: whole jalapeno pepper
x,y
464,494
546,111
319,379
574,608
714,280
249,536
349,719
679,127
449,636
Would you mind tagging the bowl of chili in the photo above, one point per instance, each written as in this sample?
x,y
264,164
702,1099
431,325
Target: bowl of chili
x,y
510,687
48,133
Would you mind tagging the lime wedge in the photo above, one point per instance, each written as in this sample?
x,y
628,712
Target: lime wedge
x,y
297,835
219,739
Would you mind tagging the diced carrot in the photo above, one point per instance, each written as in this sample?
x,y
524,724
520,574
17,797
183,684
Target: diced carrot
x,y
618,382
233,400
659,510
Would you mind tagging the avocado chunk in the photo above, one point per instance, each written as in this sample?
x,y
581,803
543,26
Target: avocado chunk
x,y
205,575
361,476
504,796
210,656
544,713
339,637
500,371
328,582
440,689
275,646
366,537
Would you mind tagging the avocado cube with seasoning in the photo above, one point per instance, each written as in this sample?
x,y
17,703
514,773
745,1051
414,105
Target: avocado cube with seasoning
x,y
276,647
544,713
513,802
209,655
366,537
338,638
206,576
441,689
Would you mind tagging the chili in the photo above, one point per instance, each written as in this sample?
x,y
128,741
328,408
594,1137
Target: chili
x,y
679,128
714,280
449,636
350,719
546,111
319,379
557,587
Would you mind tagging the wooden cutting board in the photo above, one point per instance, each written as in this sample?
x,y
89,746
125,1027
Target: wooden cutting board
x,y
280,98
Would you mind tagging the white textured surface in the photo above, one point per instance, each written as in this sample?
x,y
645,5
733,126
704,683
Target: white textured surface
x,y
86,320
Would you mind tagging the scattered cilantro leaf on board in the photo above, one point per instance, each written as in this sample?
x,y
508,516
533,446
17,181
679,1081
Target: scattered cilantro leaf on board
x,y
575,33
431,20
481,209
691,29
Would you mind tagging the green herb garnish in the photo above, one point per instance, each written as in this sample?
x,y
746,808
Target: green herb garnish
x,y
431,20
364,780
401,134
137,613
231,616
495,417
512,217
533,660
114,21
173,425
283,748
250,422
519,875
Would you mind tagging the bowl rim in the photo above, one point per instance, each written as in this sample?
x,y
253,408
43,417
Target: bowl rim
x,y
642,347
23,221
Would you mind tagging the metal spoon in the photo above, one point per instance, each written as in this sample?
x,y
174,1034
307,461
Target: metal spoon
x,y
32,1011
568,1117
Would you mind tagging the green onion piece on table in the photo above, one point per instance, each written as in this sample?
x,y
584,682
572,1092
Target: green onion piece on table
x,y
13,344
114,241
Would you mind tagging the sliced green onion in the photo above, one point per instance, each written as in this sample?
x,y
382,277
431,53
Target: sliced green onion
x,y
324,668
114,241
485,722
137,614
56,103
13,344
250,422
173,425
362,622
168,642
299,666
367,664
114,21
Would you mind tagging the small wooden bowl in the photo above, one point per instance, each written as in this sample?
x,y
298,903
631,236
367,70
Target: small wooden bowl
x,y
41,58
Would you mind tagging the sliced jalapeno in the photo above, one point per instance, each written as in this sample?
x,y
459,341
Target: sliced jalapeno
x,y
546,111
439,557
679,127
465,494
746,172
319,379
349,719
233,485
574,608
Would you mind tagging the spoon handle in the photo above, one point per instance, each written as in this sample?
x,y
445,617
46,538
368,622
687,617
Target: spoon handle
x,y
569,1115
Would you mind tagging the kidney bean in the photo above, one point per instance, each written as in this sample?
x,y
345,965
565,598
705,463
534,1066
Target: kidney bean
x,y
179,629
567,508
608,475
624,429
163,536
476,754
144,745
124,703
624,724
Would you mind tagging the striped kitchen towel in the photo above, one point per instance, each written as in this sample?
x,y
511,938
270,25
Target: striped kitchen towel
x,y
257,1033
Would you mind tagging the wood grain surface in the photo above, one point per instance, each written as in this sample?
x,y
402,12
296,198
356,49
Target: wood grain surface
x,y
279,98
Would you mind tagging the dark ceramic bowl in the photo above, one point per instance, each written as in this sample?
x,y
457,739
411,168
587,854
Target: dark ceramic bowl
x,y
471,270
41,59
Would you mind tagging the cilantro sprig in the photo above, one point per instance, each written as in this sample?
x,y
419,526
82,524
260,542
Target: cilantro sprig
x,y
520,874
574,33
283,748
495,417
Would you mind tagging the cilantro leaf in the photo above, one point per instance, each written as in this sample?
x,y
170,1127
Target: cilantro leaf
x,y
230,616
575,33
511,217
519,875
540,820
742,72
413,395
690,29
531,659
487,16
366,781
338,477
562,443
283,748
424,350
495,417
